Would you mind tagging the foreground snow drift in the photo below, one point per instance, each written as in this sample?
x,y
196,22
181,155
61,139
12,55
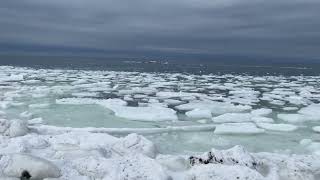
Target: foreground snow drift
x,y
86,155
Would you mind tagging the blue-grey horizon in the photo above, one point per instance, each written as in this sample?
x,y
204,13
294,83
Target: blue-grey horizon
x,y
285,28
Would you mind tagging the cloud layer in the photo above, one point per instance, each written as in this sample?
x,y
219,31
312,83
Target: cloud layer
x,y
286,28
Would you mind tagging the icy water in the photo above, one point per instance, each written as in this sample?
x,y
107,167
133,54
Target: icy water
x,y
118,99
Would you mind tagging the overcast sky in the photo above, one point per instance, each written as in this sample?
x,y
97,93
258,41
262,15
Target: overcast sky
x,y
138,28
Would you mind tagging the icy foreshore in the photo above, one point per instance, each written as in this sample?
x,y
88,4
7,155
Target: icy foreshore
x,y
47,153
220,111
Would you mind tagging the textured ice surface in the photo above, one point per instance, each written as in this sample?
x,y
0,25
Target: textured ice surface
x,y
173,110
83,155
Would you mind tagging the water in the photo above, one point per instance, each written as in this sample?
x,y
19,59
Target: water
x,y
256,89
216,66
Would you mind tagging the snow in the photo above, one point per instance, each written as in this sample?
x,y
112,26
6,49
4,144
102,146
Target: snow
x,y
223,172
84,155
238,128
277,127
13,128
37,167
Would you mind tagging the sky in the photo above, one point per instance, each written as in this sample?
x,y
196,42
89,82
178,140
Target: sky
x,y
162,28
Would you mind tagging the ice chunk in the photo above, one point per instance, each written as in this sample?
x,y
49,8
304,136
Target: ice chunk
x,y
154,113
93,167
26,114
258,119
13,77
35,121
223,172
292,118
316,129
173,163
199,113
79,101
175,95
238,128
277,127
312,112
2,113
305,142
261,112
233,117
138,166
215,107
43,105
173,102
85,94
290,108
37,167
134,143
13,128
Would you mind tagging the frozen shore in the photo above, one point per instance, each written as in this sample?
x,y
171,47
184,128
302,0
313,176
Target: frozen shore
x,y
75,154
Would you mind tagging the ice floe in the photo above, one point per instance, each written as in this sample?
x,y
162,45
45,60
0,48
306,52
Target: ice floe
x,y
277,127
164,107
199,113
238,128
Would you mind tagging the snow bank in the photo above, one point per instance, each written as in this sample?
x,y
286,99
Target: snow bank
x,y
94,155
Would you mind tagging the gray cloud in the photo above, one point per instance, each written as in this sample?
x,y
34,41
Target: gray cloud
x,y
287,28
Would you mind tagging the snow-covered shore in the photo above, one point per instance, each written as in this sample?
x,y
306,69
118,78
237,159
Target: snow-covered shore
x,y
78,154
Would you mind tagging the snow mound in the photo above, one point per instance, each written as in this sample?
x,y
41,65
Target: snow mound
x,y
37,167
13,128
223,172
134,143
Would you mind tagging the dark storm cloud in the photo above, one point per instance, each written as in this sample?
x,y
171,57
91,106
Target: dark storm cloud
x,y
285,28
